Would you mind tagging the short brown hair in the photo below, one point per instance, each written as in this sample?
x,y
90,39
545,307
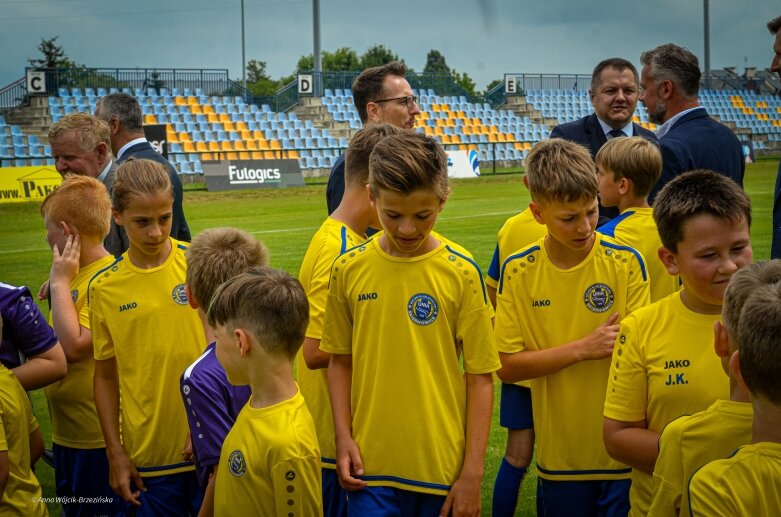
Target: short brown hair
x,y
80,201
617,63
139,177
760,346
636,159
774,25
406,162
269,303
741,285
560,171
669,62
90,130
218,254
693,193
356,161
368,86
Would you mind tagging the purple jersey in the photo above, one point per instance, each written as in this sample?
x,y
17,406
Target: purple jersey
x,y
212,404
25,330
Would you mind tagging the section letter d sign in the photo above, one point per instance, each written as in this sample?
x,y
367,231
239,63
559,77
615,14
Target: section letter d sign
x,y
305,84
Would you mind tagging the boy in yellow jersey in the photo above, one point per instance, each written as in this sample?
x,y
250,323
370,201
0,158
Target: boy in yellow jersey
x,y
749,482
144,335
404,311
270,461
211,402
77,216
515,406
344,229
558,303
21,444
663,363
628,169
690,442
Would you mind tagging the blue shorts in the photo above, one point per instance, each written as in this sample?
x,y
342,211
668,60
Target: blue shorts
x,y
515,407
583,498
84,473
334,496
385,501
172,494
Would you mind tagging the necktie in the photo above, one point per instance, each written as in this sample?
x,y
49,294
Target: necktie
x,y
615,133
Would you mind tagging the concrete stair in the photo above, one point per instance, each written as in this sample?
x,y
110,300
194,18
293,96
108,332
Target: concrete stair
x,y
34,119
311,108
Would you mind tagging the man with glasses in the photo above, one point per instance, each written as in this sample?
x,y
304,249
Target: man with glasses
x,y
688,137
380,94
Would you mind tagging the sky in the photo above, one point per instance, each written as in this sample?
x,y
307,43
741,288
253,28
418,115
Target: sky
x,y
484,38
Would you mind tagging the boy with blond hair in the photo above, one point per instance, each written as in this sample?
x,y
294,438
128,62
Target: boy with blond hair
x,y
628,168
405,311
663,363
749,482
76,216
270,461
690,442
211,402
587,280
342,230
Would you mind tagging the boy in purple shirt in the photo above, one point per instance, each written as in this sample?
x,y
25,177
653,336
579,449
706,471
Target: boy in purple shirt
x,y
26,333
211,402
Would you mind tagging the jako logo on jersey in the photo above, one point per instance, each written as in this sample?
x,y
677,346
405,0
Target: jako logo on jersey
x,y
598,298
75,295
363,297
422,309
236,464
540,303
127,306
179,295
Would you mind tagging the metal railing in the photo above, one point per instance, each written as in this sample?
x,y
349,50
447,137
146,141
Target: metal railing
x,y
13,96
525,82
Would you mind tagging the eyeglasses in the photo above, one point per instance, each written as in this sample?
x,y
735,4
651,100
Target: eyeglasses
x,y
409,100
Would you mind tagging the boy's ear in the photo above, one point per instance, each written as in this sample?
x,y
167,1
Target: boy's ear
x,y
720,340
536,210
244,341
67,229
624,186
372,201
190,298
734,370
669,260
117,216
525,181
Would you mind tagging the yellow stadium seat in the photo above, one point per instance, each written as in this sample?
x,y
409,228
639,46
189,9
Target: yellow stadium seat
x,y
179,101
224,117
208,108
460,114
269,155
263,144
244,155
292,154
252,145
184,137
226,146
196,110
446,139
455,139
241,126
171,137
207,157
232,156
435,107
502,137
493,137
245,135
257,155
201,147
444,107
274,144
188,147
258,135
214,146
239,146
463,147
192,101
150,119
439,131
228,126
212,118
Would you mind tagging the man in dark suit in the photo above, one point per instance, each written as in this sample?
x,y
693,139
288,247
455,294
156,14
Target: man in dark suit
x,y
613,94
774,26
81,145
688,137
123,115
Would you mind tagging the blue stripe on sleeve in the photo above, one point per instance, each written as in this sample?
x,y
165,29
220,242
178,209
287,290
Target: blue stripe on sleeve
x,y
630,249
479,273
513,257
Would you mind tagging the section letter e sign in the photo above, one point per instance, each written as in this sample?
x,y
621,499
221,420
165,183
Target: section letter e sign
x,y
36,82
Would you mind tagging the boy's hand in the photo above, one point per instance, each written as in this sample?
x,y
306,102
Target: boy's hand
x,y
121,473
187,450
599,344
65,266
349,464
43,291
463,498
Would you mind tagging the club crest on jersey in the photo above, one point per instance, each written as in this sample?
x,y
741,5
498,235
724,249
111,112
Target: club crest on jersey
x,y
236,464
422,309
598,298
179,295
75,295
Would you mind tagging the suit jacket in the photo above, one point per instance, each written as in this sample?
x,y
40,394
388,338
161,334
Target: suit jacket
x,y
179,228
588,132
775,249
116,241
335,189
696,141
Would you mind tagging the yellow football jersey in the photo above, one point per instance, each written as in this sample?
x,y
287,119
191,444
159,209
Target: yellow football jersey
x,y
517,232
636,227
270,463
663,367
748,483
690,442
331,240
540,306
71,400
141,317
22,495
410,324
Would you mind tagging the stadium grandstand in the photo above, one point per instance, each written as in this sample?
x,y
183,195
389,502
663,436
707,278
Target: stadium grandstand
x,y
216,119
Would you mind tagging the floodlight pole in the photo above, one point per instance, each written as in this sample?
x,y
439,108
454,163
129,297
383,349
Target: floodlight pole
x,y
706,10
243,56
317,61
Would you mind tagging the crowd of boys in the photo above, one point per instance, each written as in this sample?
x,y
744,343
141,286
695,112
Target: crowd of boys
x,y
611,343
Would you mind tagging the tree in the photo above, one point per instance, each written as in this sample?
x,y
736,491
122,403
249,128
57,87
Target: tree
x,y
53,56
493,84
258,80
435,64
465,82
376,56
342,60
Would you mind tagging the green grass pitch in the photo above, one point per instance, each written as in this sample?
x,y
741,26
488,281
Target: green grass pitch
x,y
285,221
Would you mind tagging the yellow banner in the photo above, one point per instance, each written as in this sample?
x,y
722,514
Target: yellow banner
x,y
19,184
